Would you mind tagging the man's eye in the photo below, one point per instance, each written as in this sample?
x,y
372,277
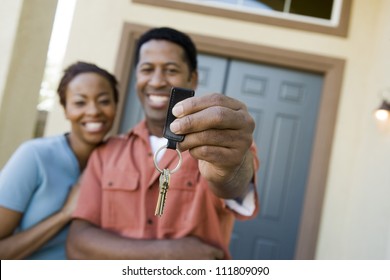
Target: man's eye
x,y
146,70
172,71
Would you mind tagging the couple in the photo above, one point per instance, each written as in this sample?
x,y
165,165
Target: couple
x,y
112,205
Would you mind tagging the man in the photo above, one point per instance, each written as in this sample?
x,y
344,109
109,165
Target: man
x,y
119,189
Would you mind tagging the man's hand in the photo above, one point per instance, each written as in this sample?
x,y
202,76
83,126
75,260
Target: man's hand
x,y
218,133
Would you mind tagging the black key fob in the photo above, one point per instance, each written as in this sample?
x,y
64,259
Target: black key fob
x,y
177,95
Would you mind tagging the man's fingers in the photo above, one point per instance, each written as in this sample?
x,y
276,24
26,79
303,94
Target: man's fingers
x,y
212,118
195,104
230,138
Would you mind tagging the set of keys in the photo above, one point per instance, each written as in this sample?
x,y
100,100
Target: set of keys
x,y
165,177
177,95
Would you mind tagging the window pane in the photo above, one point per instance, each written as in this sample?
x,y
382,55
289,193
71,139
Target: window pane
x,y
318,9
234,2
266,5
275,5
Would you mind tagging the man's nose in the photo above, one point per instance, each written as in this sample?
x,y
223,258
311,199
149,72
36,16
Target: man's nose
x,y
158,79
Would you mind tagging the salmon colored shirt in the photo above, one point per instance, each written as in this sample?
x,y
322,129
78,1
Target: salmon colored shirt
x,y
119,191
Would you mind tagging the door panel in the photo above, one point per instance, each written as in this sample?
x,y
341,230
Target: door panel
x,y
211,72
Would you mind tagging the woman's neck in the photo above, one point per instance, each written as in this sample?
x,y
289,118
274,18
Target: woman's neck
x,y
81,149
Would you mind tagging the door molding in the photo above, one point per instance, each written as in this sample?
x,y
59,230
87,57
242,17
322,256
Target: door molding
x,y
332,70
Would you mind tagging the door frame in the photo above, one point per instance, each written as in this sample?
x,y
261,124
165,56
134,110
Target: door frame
x,y
332,70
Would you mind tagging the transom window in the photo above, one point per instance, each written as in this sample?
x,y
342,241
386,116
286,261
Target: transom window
x,y
321,12
324,16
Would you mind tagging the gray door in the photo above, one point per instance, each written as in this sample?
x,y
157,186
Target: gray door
x,y
284,104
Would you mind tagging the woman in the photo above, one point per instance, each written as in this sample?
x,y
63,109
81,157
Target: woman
x,y
37,195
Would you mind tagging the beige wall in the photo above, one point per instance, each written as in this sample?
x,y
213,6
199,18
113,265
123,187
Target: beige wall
x,y
24,39
9,17
356,220
356,215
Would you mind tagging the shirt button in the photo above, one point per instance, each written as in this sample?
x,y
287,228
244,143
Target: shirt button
x,y
189,184
150,221
110,184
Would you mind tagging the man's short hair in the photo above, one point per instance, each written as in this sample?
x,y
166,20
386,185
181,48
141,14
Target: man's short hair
x,y
174,36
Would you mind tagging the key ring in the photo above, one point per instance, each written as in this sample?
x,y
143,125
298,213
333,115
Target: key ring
x,y
170,171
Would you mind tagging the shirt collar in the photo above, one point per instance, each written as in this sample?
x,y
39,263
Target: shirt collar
x,y
140,130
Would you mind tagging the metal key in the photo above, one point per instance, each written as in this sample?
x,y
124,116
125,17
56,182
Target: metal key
x,y
164,185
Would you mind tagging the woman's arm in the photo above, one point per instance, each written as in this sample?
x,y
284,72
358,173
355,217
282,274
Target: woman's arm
x,y
24,243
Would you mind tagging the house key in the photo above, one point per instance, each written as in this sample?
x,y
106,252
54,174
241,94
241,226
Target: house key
x,y
164,185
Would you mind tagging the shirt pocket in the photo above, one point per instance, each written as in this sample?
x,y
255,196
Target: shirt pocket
x,y
121,199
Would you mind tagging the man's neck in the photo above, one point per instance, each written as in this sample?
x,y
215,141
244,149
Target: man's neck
x,y
155,129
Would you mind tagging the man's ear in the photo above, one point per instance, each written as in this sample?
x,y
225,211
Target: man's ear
x,y
194,79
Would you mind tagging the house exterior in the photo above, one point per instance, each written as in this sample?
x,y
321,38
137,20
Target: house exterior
x,y
346,214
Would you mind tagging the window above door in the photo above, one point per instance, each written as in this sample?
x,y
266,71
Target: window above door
x,y
325,16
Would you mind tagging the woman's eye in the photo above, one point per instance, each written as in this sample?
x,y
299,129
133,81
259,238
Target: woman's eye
x,y
79,103
105,101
